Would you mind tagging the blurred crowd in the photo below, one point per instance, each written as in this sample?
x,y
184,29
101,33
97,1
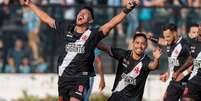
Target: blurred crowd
x,y
27,46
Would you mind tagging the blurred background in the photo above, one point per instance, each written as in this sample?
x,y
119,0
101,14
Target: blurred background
x,y
29,48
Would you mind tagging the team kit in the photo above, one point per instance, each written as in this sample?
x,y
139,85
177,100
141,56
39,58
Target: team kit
x,y
80,39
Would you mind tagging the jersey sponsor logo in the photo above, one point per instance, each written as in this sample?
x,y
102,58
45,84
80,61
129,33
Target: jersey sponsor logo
x,y
73,47
197,63
71,55
173,61
128,79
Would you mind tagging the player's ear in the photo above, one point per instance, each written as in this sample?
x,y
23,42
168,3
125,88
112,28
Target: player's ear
x,y
91,21
146,44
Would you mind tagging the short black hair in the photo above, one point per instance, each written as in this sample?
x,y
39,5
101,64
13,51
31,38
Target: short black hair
x,y
170,26
140,34
90,10
188,27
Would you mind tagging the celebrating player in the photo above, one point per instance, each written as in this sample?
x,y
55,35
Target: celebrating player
x,y
133,68
75,64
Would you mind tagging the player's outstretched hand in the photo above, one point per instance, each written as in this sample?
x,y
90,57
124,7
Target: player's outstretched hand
x,y
101,85
162,42
157,53
27,2
184,73
180,77
132,3
164,77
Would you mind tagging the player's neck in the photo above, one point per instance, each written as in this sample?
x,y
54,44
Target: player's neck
x,y
176,40
80,29
135,56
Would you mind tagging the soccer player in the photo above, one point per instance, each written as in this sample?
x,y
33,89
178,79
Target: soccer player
x,y
133,68
193,89
75,64
192,31
178,53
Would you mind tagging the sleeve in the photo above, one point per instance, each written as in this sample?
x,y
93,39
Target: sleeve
x,y
60,27
187,48
147,60
118,53
97,35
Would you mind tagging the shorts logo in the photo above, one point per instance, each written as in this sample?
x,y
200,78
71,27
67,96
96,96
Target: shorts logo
x,y
81,88
60,98
185,91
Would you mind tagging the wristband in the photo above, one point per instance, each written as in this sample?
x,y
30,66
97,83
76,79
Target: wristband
x,y
185,72
126,10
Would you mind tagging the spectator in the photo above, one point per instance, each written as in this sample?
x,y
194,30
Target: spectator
x,y
192,31
10,67
42,66
16,54
132,27
1,55
57,11
116,3
69,13
194,3
32,27
25,66
13,2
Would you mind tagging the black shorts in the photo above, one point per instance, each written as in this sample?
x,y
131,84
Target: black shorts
x,y
194,89
72,88
117,96
124,96
174,91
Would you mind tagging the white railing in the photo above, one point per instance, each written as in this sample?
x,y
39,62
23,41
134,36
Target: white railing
x,y
12,85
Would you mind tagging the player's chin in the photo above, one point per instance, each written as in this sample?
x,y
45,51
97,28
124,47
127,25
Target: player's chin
x,y
78,23
139,52
81,23
169,43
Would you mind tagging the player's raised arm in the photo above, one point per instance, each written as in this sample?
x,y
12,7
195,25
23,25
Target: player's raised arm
x,y
41,14
104,47
185,66
119,18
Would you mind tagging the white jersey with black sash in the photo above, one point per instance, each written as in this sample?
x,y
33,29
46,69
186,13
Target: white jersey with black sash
x,y
177,55
77,50
131,74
